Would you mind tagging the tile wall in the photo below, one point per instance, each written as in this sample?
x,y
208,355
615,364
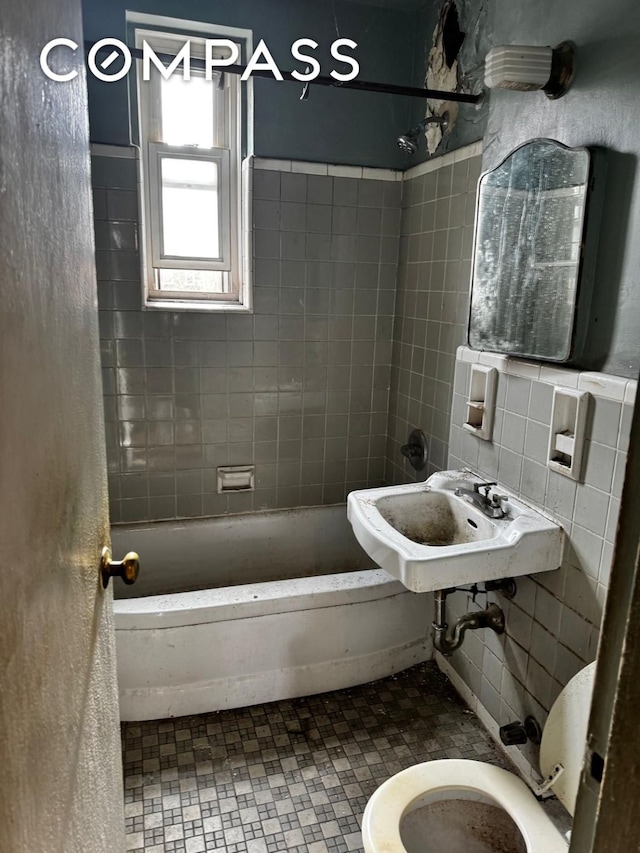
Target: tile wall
x,y
552,625
432,302
300,387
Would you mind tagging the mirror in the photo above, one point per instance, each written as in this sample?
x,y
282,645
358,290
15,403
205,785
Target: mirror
x,y
530,221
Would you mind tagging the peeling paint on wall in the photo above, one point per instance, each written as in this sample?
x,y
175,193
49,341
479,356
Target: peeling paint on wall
x,y
442,69
456,64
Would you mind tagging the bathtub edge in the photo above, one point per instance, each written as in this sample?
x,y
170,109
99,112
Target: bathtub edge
x,y
249,600
274,685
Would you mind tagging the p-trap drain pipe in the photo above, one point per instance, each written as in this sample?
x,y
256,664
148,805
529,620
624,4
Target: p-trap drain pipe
x,y
491,617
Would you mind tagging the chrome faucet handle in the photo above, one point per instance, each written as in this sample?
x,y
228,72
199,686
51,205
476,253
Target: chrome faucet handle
x,y
485,486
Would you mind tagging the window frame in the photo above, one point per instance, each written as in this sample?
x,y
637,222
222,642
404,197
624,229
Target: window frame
x,y
159,151
167,35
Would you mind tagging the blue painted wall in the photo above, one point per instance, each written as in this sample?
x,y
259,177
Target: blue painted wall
x,y
334,125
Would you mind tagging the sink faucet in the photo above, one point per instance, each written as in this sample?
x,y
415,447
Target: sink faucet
x,y
489,505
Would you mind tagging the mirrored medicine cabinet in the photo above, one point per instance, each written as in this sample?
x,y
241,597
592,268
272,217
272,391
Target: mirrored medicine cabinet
x,y
537,222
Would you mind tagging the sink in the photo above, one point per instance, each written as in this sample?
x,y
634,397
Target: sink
x,y
429,538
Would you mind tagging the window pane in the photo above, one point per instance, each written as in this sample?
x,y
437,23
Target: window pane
x,y
187,111
193,281
190,208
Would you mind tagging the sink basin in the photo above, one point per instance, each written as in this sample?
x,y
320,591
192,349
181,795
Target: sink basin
x,y
430,538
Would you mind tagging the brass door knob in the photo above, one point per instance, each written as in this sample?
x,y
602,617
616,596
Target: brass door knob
x,y
127,569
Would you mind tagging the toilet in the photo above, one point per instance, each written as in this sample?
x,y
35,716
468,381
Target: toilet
x,y
461,806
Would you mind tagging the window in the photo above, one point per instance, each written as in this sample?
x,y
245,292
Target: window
x,y
190,134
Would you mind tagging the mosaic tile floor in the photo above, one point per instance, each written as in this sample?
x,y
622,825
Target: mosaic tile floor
x,y
292,776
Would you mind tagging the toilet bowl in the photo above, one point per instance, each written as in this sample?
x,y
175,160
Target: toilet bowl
x,y
462,806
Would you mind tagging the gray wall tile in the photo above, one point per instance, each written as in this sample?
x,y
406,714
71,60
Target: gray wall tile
x,y
430,312
299,379
552,625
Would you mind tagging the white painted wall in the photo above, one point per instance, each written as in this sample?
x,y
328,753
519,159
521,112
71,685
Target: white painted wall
x,y
60,774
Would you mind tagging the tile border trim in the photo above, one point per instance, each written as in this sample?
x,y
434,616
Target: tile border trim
x,y
464,153
308,168
605,385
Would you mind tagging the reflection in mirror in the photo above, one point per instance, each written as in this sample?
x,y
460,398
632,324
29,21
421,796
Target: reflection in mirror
x,y
529,232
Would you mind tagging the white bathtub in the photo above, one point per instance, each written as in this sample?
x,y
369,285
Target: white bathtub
x,y
279,604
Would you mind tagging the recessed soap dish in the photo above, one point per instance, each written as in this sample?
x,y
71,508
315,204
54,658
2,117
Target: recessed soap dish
x,y
567,434
481,403
236,478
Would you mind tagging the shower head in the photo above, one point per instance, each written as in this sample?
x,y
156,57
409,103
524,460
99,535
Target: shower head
x,y
410,141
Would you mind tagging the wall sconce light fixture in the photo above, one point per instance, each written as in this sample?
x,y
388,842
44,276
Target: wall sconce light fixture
x,y
528,69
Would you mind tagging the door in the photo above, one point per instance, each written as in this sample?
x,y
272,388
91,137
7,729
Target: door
x,y
60,773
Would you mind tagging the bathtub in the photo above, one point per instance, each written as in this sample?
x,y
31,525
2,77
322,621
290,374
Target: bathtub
x,y
238,610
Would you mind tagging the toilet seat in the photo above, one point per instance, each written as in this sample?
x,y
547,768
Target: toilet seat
x,y
388,805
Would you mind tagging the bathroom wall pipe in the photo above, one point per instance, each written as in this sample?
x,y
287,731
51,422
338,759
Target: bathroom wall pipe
x,y
491,617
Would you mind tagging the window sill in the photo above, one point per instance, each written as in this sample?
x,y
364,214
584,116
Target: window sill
x,y
197,306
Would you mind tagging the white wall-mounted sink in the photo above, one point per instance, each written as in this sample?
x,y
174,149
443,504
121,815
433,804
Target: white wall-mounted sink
x,y
430,538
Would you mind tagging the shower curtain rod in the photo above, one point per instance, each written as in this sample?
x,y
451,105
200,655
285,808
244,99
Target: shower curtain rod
x,y
358,85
